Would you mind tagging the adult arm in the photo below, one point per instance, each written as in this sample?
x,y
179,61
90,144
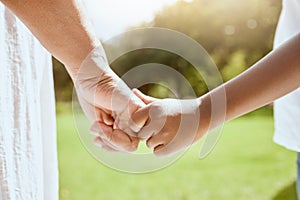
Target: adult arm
x,y
64,30
60,26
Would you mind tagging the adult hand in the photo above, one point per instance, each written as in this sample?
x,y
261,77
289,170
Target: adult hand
x,y
108,101
170,125
105,136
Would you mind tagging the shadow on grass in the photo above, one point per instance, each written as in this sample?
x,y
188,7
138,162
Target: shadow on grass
x,y
287,193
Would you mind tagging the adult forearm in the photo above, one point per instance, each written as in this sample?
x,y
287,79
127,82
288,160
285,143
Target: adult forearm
x,y
60,25
272,77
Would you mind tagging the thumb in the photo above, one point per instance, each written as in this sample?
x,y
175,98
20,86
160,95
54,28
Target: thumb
x,y
146,99
140,117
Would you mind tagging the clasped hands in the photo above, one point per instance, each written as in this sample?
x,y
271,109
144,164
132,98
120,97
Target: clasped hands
x,y
123,117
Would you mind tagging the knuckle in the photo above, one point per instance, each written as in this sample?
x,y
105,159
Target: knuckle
x,y
156,111
109,137
149,143
159,153
133,147
165,134
135,143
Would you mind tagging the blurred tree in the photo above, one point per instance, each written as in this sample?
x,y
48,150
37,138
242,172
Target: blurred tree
x,y
235,33
225,26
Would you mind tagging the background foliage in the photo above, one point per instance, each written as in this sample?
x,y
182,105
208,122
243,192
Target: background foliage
x,y
245,164
235,33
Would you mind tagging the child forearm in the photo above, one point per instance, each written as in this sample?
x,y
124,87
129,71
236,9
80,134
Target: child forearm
x,y
274,76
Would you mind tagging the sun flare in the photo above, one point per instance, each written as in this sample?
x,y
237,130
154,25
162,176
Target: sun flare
x,y
111,17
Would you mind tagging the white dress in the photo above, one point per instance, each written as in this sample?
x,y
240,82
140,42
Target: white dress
x,y
28,158
287,108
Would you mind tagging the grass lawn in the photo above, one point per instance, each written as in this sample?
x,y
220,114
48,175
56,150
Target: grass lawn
x,y
245,164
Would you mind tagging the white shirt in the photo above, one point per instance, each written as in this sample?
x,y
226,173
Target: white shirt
x,y
28,158
287,108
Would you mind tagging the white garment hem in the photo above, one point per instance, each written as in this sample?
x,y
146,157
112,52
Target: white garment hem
x,y
282,140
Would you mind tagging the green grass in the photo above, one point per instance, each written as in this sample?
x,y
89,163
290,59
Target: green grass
x,y
245,164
